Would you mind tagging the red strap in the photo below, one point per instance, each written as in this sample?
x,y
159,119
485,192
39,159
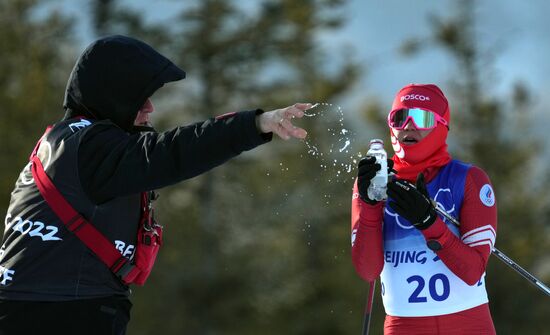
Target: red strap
x,y
35,150
74,222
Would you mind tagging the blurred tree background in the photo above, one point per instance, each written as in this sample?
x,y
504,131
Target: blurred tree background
x,y
261,244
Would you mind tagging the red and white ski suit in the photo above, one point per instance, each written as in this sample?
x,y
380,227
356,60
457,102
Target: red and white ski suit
x,y
465,252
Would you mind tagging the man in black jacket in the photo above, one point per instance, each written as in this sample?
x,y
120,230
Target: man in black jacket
x,y
104,158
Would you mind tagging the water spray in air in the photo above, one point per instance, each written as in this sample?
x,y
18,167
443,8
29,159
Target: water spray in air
x,y
331,142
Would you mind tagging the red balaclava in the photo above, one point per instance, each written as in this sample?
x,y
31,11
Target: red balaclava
x,y
428,155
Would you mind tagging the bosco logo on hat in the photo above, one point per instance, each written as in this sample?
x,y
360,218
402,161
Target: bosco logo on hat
x,y
424,96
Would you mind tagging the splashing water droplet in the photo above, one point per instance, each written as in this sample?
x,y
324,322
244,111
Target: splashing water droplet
x,y
345,145
334,143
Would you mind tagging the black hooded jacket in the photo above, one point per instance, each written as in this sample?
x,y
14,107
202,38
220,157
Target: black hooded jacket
x,y
112,79
100,165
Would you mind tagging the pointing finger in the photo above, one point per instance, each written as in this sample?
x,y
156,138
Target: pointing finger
x,y
303,106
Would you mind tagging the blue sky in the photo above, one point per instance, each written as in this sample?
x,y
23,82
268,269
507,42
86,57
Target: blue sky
x,y
518,30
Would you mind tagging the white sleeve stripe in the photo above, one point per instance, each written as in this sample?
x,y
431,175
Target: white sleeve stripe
x,y
353,235
483,242
474,231
480,236
487,233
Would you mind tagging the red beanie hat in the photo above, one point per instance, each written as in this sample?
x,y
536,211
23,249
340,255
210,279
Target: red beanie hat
x,y
425,96
431,153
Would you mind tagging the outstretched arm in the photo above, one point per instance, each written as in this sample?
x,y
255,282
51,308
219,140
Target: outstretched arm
x,y
113,163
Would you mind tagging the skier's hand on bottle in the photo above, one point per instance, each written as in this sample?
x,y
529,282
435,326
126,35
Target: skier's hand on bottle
x,y
366,170
412,202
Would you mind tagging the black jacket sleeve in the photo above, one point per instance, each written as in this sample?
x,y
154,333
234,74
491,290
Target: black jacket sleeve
x,y
113,163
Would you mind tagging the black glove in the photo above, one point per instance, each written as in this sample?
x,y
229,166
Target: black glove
x,y
412,202
367,169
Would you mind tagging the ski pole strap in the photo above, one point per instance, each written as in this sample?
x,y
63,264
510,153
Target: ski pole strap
x,y
78,225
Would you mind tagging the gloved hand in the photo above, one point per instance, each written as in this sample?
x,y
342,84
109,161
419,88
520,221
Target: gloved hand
x,y
367,169
412,202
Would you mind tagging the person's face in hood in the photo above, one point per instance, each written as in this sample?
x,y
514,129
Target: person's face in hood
x,y
143,115
113,79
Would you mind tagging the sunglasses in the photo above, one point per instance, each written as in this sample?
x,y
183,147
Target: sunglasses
x,y
422,119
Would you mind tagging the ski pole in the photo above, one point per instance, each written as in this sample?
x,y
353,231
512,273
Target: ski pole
x,y
500,255
368,308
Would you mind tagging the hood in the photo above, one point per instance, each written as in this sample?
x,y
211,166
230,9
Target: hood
x,y
113,78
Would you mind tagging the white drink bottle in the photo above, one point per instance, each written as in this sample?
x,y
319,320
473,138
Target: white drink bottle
x,y
377,188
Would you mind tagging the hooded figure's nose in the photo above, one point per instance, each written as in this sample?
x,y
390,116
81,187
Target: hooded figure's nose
x,y
147,107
